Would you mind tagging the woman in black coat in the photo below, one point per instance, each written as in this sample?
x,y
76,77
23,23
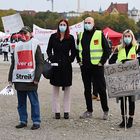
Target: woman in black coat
x,y
61,52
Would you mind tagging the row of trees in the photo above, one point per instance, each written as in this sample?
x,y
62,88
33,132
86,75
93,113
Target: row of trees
x,y
49,20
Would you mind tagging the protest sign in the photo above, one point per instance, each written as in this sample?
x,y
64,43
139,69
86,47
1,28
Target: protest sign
x,y
123,79
42,35
12,23
8,90
76,29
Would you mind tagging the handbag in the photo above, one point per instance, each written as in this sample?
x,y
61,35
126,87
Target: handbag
x,y
47,69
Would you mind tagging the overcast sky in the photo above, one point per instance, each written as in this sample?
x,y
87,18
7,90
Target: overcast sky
x,y
64,5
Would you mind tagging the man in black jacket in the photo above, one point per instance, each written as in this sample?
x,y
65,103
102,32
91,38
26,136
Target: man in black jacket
x,y
93,52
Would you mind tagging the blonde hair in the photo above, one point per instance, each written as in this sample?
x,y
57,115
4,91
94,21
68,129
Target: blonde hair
x,y
134,42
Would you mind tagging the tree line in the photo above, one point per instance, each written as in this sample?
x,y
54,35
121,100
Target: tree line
x,y
49,20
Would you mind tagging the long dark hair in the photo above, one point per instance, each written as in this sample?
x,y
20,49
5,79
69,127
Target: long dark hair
x,y
67,32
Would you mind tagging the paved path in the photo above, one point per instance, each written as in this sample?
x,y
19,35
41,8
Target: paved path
x,y
72,129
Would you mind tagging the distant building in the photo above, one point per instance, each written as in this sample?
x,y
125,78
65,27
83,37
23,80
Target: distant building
x,y
134,14
28,12
100,10
71,14
117,8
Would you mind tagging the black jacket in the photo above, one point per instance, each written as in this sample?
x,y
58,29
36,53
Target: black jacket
x,y
63,53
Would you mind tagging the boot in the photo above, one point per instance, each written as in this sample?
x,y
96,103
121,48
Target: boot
x,y
66,115
21,125
57,116
130,122
122,124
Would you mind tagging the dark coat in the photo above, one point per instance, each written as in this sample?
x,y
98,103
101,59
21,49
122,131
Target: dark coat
x,y
63,53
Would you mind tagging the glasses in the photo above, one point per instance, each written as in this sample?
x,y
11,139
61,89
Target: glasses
x,y
62,24
87,22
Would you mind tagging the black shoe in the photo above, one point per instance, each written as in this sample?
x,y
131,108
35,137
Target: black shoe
x,y
35,126
57,115
130,122
122,124
66,115
21,125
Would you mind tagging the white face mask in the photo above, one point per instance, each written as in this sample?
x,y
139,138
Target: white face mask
x,y
127,40
88,27
62,28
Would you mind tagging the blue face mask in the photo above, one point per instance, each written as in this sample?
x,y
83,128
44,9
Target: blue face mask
x,y
127,40
88,27
62,28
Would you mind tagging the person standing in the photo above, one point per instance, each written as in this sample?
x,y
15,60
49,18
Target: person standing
x,y
25,72
126,51
5,49
93,51
61,52
1,42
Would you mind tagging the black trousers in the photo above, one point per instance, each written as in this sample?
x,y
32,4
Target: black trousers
x,y
94,89
96,74
131,105
5,56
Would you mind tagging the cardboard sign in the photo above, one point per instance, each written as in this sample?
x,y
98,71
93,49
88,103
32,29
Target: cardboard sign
x,y
12,23
123,79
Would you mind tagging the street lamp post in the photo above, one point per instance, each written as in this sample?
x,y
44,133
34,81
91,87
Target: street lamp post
x,y
78,6
52,4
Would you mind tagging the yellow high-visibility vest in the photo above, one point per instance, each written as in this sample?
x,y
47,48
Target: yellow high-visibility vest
x,y
122,53
96,49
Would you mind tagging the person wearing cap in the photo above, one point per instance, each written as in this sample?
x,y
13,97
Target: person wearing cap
x,y
92,54
25,72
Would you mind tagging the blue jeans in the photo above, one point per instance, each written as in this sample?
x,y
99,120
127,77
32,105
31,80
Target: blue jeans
x,y
22,106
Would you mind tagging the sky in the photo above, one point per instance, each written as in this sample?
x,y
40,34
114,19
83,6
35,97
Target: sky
x,y
64,5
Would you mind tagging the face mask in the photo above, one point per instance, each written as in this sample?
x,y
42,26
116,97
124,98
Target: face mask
x,y
62,28
23,37
88,27
27,37
127,40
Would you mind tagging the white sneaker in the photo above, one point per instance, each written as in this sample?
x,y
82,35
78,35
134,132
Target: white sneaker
x,y
86,115
105,115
